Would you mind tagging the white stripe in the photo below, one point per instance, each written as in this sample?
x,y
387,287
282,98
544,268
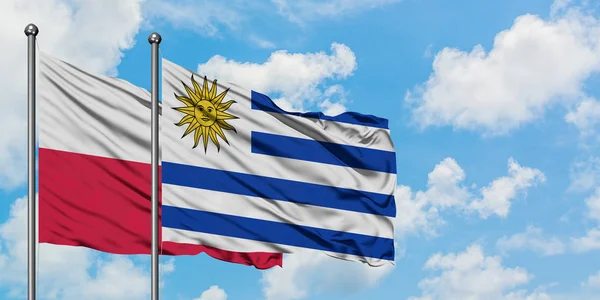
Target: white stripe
x,y
277,211
92,114
244,245
329,131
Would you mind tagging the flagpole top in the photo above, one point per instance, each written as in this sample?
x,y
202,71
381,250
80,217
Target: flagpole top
x,y
154,38
31,29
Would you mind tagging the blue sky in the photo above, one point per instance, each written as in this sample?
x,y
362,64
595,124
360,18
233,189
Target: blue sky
x,y
493,109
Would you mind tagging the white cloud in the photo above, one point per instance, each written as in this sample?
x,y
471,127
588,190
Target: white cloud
x,y
286,105
533,65
415,214
168,266
444,189
213,293
428,51
310,272
201,16
587,243
532,239
585,175
301,11
472,275
212,18
89,34
261,42
68,272
559,6
335,98
585,116
496,197
524,295
420,211
296,77
118,278
591,241
593,205
593,281
331,109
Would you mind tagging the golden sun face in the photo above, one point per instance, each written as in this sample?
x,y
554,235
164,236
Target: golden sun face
x,y
205,113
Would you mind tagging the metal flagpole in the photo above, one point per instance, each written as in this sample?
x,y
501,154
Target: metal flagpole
x,y
154,40
31,32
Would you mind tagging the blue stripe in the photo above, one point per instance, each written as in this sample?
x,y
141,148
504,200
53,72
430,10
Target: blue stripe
x,y
278,233
264,103
278,189
324,152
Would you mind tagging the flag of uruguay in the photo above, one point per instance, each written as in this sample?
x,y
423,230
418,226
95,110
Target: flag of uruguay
x,y
240,174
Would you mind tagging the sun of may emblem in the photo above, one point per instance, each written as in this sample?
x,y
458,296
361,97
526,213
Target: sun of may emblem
x,y
205,113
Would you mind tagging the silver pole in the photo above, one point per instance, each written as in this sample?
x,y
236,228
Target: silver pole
x,y
154,40
31,32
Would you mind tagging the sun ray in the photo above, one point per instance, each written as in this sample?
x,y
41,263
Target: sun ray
x,y
221,115
190,111
205,137
185,120
197,136
213,90
224,125
213,137
191,94
220,132
205,89
205,113
185,100
219,98
195,124
197,89
225,106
